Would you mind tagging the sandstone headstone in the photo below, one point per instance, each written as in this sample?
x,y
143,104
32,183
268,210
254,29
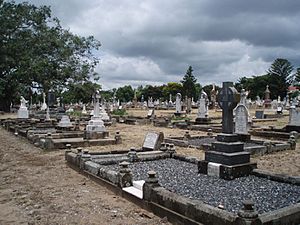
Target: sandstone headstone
x,y
153,140
178,104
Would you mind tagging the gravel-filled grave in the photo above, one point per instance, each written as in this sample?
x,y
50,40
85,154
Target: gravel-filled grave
x,y
182,178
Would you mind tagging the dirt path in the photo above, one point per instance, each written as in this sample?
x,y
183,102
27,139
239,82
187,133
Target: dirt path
x,y
38,188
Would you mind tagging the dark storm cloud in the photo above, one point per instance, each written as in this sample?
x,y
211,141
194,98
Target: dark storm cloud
x,y
155,41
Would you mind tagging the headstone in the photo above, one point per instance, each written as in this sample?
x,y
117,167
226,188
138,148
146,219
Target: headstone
x,y
259,114
150,103
150,113
267,100
213,96
44,105
294,120
23,111
96,124
48,114
153,140
51,98
202,117
294,117
84,112
241,119
178,104
227,158
65,122
228,99
242,116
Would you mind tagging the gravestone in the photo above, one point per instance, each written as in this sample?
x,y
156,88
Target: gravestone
x,y
153,141
213,97
51,98
150,113
259,114
202,117
227,159
44,105
95,126
178,104
23,111
294,120
65,122
267,100
242,118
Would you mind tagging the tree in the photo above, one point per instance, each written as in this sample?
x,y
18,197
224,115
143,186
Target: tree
x,y
171,88
280,74
82,92
297,76
36,52
188,84
125,93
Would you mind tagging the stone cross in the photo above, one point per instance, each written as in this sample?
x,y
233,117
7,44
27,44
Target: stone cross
x,y
228,99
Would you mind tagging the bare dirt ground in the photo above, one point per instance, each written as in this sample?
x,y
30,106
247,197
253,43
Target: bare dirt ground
x,y
37,187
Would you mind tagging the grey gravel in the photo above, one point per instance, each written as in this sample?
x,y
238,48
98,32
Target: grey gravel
x,y
182,178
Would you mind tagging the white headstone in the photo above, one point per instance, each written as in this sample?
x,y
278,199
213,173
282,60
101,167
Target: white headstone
x,y
241,119
23,112
44,105
153,140
203,105
65,122
294,119
178,103
96,124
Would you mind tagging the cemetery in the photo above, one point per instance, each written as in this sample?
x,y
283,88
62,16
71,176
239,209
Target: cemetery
x,y
114,132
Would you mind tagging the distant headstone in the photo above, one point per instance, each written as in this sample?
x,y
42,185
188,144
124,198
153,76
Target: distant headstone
x,y
44,105
51,98
65,122
153,140
259,114
150,113
178,103
294,118
23,111
203,105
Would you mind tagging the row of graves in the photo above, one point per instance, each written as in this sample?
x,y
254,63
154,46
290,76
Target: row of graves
x,y
224,188
55,130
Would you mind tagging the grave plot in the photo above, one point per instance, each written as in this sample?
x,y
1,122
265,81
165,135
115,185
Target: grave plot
x,y
177,190
50,134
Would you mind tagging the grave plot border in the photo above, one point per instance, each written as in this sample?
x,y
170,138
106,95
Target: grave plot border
x,y
178,209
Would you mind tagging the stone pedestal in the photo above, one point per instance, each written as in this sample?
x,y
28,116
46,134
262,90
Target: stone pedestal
x,y
202,120
65,122
23,113
95,125
227,159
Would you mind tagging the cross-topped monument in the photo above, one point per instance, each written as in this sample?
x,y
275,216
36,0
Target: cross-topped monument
x,y
228,98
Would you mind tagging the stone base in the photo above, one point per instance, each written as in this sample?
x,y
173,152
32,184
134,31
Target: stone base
x,y
229,159
202,120
228,172
95,135
290,128
178,114
244,137
23,113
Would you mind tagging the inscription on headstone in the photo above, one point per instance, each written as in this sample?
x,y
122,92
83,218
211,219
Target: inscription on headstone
x,y
241,120
153,140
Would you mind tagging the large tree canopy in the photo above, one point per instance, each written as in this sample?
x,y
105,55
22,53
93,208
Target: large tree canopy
x,y
36,52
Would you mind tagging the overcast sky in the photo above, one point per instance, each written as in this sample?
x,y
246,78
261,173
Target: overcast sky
x,y
154,42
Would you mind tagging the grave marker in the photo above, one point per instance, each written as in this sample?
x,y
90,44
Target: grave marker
x,y
153,140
